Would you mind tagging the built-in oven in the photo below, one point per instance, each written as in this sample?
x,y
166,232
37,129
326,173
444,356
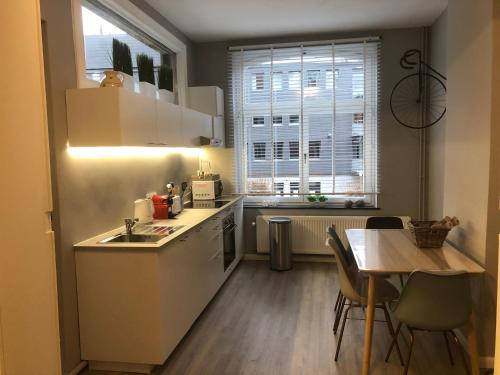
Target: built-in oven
x,y
229,235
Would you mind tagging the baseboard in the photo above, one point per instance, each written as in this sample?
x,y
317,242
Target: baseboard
x,y
78,368
296,258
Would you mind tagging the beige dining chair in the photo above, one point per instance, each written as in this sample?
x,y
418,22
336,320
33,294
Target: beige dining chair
x,y
354,288
433,301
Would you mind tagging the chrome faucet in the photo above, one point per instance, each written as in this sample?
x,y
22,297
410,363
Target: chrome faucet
x,y
129,225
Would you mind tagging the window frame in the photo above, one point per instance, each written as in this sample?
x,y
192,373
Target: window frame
x,y
254,144
290,123
318,142
258,125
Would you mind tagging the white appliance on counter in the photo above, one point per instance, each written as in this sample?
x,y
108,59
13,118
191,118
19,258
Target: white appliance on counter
x,y
207,189
143,210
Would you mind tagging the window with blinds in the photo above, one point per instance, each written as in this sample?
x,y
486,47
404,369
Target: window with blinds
x,y
305,120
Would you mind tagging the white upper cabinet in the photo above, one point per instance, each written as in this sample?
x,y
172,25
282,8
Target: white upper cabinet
x,y
113,116
207,99
110,116
169,124
195,125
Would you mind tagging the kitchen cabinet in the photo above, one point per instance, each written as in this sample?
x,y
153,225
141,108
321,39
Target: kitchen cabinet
x,y
169,124
110,116
136,304
207,99
194,125
218,130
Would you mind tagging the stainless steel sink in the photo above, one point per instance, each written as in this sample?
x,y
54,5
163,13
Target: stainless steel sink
x,y
147,234
134,238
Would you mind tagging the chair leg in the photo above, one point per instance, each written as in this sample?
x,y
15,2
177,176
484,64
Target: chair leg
x,y
337,301
394,340
339,314
391,332
450,355
342,333
401,281
462,351
412,340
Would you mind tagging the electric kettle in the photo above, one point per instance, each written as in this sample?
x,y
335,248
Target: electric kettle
x,y
143,210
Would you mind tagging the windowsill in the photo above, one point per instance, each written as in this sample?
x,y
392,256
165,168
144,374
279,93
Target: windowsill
x,y
307,206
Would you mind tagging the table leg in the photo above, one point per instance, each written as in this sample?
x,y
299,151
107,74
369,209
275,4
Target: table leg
x,y
472,341
370,311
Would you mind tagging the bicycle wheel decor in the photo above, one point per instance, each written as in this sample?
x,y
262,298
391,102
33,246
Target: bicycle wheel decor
x,y
418,100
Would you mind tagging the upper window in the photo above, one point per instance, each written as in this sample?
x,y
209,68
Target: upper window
x,y
313,78
328,142
314,149
278,150
258,121
101,26
259,151
277,120
257,81
293,120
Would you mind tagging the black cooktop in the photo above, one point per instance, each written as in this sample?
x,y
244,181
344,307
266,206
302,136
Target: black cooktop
x,y
205,204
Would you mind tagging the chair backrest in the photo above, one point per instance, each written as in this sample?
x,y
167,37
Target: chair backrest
x,y
348,257
436,301
384,222
346,280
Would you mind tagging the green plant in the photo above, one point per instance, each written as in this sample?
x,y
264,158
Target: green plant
x,y
122,59
322,198
165,78
145,68
312,198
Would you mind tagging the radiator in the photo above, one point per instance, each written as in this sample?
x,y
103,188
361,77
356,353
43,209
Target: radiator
x,y
309,232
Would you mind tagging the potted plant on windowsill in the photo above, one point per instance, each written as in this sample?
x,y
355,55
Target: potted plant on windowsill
x,y
122,62
166,83
317,200
146,75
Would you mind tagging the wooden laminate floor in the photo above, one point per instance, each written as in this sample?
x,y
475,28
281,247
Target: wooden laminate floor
x,y
263,322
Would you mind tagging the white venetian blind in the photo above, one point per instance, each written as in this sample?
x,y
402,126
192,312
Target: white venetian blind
x,y
304,119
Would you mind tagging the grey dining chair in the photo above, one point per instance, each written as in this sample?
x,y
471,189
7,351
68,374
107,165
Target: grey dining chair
x,y
353,289
434,301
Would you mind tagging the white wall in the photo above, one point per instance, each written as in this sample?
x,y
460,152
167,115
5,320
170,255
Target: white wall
x,y
463,166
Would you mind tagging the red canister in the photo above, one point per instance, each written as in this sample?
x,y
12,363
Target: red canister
x,y
160,204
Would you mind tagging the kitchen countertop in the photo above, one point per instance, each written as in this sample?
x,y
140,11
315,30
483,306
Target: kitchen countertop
x,y
190,218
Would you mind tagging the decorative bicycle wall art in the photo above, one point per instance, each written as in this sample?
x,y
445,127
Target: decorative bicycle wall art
x,y
418,100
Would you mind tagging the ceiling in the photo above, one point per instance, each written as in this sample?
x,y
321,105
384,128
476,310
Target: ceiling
x,y
218,20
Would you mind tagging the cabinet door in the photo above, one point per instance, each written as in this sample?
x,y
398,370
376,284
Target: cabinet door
x,y
218,129
137,118
238,218
169,124
194,125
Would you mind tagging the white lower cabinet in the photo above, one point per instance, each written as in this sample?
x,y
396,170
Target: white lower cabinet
x,y
136,304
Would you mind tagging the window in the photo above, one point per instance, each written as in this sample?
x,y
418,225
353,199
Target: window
x,y
294,79
294,187
294,150
357,118
315,115
279,187
313,78
258,121
258,81
315,187
293,120
259,151
278,150
314,149
357,146
101,26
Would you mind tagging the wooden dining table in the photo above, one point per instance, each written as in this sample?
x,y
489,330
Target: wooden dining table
x,y
392,251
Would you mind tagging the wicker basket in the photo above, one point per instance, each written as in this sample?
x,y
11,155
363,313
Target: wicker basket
x,y
424,236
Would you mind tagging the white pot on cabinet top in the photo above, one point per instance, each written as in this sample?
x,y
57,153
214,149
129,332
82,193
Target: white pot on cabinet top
x,y
166,95
147,89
